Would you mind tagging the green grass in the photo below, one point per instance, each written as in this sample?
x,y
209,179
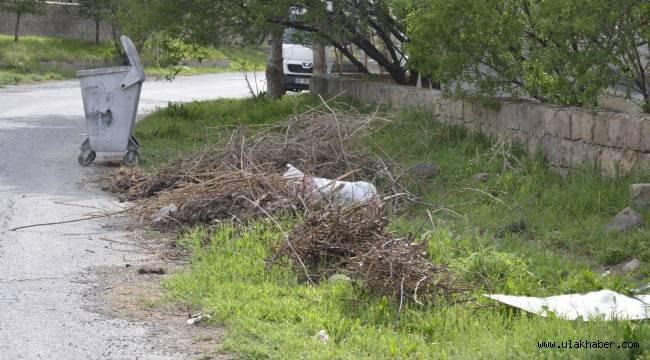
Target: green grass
x,y
24,61
27,60
181,128
270,315
563,249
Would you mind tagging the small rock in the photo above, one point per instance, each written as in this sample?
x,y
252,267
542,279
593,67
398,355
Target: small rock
x,y
322,336
424,170
631,265
339,277
164,212
146,270
198,319
640,195
482,177
624,220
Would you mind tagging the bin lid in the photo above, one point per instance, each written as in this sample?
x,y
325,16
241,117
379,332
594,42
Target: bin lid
x,y
136,73
82,73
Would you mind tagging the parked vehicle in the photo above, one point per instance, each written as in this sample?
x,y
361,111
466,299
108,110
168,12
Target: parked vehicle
x,y
298,61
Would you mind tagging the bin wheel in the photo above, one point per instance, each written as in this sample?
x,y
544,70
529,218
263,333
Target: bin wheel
x,y
131,158
86,157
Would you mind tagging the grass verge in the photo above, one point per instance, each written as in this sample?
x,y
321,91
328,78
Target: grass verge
x,y
558,246
37,58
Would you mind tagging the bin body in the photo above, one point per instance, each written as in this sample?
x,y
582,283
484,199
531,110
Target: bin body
x,y
110,109
111,97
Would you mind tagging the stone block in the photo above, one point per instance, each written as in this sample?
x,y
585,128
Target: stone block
x,y
601,131
632,138
425,98
473,112
609,162
616,130
640,195
519,137
625,220
534,145
523,117
509,115
457,110
396,98
565,150
536,120
592,154
643,161
582,125
560,124
492,117
551,149
578,154
645,134
629,160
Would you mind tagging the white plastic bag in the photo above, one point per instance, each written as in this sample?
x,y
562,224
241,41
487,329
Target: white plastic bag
x,y
603,304
358,191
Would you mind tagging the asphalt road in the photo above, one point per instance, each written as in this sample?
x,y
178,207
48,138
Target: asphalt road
x,y
45,271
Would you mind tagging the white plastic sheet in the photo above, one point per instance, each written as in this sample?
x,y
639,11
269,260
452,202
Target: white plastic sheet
x,y
358,191
603,304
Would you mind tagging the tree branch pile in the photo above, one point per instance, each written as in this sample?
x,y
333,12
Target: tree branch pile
x,y
320,143
354,240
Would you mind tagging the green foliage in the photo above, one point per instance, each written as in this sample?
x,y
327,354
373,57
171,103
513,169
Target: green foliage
x,y
558,51
23,6
94,9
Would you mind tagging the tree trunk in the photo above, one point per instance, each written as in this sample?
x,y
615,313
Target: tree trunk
x,y
97,30
274,71
320,62
19,15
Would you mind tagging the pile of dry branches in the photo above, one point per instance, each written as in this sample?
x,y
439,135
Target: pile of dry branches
x,y
241,176
223,195
320,143
354,240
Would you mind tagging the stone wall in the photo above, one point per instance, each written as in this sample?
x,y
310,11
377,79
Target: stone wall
x,y
568,137
58,20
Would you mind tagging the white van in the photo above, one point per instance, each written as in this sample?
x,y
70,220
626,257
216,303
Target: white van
x,y
298,62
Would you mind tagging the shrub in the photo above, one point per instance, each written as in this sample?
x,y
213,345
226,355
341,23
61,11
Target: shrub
x,y
557,51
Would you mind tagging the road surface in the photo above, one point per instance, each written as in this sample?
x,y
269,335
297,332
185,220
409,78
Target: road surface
x,y
45,271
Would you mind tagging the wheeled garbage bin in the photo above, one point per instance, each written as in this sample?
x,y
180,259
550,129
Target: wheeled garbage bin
x,y
111,98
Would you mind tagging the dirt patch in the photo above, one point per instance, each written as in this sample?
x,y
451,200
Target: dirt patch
x,y
124,293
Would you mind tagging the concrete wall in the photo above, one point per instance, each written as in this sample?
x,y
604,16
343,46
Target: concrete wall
x,y
568,137
59,20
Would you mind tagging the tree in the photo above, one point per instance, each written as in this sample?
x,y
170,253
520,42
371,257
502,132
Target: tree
x,y
274,67
558,51
223,22
629,40
369,25
97,10
136,19
20,8
372,26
